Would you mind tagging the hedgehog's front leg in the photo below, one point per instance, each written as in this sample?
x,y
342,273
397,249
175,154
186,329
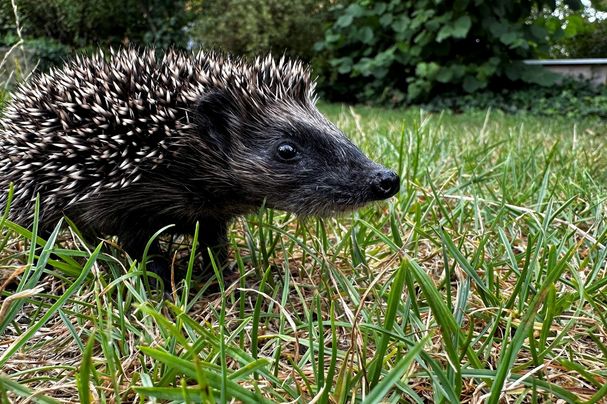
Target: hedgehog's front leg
x,y
213,236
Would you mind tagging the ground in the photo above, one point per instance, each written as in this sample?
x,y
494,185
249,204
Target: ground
x,y
483,280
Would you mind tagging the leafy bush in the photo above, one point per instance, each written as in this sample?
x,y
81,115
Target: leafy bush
x,y
41,53
53,29
252,27
81,23
394,51
571,99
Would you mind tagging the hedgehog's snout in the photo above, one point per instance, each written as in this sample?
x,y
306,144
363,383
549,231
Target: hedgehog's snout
x,y
384,184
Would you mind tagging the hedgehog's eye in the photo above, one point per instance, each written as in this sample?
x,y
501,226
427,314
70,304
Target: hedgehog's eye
x,y
287,152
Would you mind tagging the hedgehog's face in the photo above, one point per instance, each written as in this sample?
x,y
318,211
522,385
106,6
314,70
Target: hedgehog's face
x,y
304,164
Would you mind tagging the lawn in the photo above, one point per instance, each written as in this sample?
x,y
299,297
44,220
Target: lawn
x,y
484,279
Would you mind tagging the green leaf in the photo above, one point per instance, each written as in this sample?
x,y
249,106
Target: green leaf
x,y
344,21
444,75
471,84
401,24
508,38
331,37
461,26
456,29
386,19
365,35
355,10
345,65
497,28
417,88
427,70
380,8
538,32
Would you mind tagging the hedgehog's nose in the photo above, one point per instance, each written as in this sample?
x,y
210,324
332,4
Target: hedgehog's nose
x,y
385,184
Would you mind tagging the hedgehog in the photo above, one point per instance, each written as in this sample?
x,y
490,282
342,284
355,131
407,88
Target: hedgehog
x,y
134,140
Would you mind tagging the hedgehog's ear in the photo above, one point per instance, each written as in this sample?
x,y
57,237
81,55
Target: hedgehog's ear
x,y
212,119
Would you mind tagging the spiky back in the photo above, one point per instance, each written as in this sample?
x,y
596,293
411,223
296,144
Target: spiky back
x,y
98,121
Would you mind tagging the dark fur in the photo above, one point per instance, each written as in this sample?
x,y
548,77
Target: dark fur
x,y
126,145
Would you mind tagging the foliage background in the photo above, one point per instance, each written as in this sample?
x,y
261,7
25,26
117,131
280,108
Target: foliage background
x,y
459,53
260,26
415,49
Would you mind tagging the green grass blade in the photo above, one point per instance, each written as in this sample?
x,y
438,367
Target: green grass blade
x,y
8,384
23,338
396,374
394,299
85,371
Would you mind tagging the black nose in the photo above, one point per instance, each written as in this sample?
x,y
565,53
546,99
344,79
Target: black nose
x,y
385,184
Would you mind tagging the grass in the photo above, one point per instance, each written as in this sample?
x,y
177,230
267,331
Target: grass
x,y
484,280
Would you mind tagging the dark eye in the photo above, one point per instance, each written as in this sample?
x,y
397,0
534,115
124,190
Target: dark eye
x,y
286,151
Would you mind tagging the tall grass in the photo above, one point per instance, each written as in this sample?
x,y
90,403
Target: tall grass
x,y
483,280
